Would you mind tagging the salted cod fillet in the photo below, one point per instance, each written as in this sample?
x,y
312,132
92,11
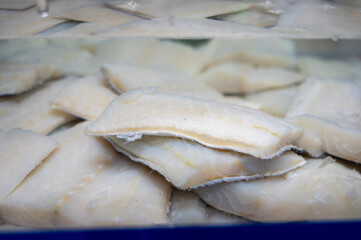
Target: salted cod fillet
x,y
233,77
21,151
65,60
189,165
271,52
321,189
126,77
86,97
188,209
168,155
275,102
87,183
15,79
33,111
333,117
179,8
151,52
213,124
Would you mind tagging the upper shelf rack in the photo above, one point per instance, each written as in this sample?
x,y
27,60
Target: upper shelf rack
x,y
310,19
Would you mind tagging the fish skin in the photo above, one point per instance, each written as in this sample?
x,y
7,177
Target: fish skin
x,y
323,189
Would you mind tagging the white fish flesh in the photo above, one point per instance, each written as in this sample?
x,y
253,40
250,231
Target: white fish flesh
x,y
326,69
243,78
151,52
33,110
187,164
188,209
251,16
178,8
323,189
65,60
87,177
271,52
333,117
21,151
126,77
213,124
336,139
15,79
275,102
86,98
94,13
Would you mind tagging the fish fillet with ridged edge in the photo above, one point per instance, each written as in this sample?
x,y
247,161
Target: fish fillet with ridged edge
x,y
214,124
320,190
187,164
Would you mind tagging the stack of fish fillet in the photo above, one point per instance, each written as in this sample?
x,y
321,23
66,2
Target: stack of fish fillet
x,y
148,132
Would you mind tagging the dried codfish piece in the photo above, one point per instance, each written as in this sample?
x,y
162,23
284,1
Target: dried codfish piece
x,y
321,98
350,2
336,138
16,4
310,143
33,111
95,13
123,193
21,151
24,23
275,102
214,124
81,30
326,19
15,79
86,98
151,52
178,8
66,60
15,46
82,179
188,209
187,164
326,69
270,52
333,117
126,77
321,189
243,78
252,16
198,28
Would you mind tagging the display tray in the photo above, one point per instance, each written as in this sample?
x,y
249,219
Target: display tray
x,y
299,230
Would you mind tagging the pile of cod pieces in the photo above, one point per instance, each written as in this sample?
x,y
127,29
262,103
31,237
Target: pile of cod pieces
x,y
228,132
